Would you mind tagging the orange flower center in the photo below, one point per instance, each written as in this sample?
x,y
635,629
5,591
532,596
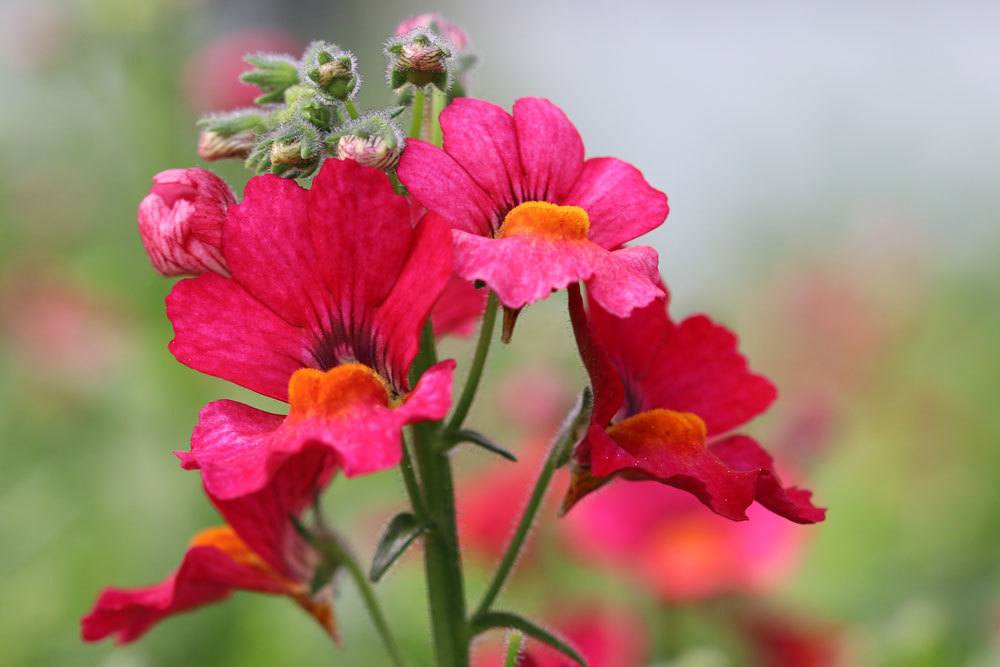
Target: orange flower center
x,y
228,542
316,393
545,220
681,431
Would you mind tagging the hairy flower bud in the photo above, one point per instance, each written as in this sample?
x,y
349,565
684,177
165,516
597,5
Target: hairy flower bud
x,y
292,150
273,74
373,140
419,58
181,219
333,70
215,146
439,25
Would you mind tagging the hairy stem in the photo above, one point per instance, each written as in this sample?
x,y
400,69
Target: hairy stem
x,y
417,118
352,110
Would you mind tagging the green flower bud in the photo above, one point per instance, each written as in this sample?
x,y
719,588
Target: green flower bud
x,y
419,58
333,71
273,74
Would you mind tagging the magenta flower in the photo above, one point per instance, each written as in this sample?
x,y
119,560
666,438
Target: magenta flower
x,y
528,214
329,289
259,550
667,396
181,220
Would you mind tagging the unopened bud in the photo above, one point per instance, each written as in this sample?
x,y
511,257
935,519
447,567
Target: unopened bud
x,y
214,146
419,58
373,140
181,220
273,74
288,153
292,150
333,70
440,26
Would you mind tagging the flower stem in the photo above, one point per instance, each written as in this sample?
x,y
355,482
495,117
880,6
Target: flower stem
x,y
438,102
374,609
352,110
442,557
476,368
566,437
417,118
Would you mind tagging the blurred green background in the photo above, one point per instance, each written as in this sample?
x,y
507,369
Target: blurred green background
x,y
833,180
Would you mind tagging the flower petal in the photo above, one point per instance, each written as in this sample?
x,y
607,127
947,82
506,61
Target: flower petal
x,y
221,330
622,206
550,148
480,136
459,308
741,452
442,186
625,279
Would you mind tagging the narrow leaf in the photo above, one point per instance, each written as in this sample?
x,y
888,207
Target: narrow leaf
x,y
477,438
398,535
574,427
504,619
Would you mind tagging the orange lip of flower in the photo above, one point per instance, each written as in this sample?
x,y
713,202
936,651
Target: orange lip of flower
x,y
316,393
545,220
228,542
684,432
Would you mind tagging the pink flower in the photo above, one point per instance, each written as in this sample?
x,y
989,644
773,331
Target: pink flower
x,y
459,309
454,34
259,550
679,552
666,396
181,220
529,214
212,76
329,289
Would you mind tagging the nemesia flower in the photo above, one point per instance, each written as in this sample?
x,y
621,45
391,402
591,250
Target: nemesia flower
x,y
459,308
453,33
604,636
529,215
211,76
678,551
259,550
329,289
181,219
781,640
666,395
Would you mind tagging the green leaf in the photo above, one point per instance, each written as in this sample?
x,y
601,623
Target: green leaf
x,y
505,619
574,427
398,535
477,438
322,575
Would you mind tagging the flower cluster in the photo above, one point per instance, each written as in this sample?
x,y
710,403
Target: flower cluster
x,y
329,298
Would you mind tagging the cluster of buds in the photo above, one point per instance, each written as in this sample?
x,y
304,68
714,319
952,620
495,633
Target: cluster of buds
x,y
305,114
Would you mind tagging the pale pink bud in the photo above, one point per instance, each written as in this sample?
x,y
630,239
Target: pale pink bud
x,y
216,146
181,219
445,28
369,151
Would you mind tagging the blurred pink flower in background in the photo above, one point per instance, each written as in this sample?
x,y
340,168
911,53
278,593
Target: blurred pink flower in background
x,y
605,636
535,397
446,28
670,544
55,326
783,640
32,35
211,77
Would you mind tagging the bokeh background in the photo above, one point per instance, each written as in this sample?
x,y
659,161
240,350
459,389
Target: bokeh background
x,y
832,169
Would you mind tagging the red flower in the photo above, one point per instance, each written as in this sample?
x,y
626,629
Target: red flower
x,y
329,289
259,550
666,395
529,214
181,221
680,552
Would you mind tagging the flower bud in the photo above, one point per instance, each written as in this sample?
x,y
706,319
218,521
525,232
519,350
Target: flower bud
x,y
419,58
273,74
292,150
332,70
373,140
215,146
181,219
440,26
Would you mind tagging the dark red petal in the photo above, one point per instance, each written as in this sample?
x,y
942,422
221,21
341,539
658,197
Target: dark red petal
x,y
221,330
480,136
442,186
622,206
741,452
550,148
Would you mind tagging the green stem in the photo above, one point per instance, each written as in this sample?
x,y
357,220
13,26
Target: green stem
x,y
476,368
513,649
442,558
336,553
524,525
352,110
417,117
438,102
410,480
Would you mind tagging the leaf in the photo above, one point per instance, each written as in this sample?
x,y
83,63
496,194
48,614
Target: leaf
x,y
477,438
398,535
505,619
574,427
